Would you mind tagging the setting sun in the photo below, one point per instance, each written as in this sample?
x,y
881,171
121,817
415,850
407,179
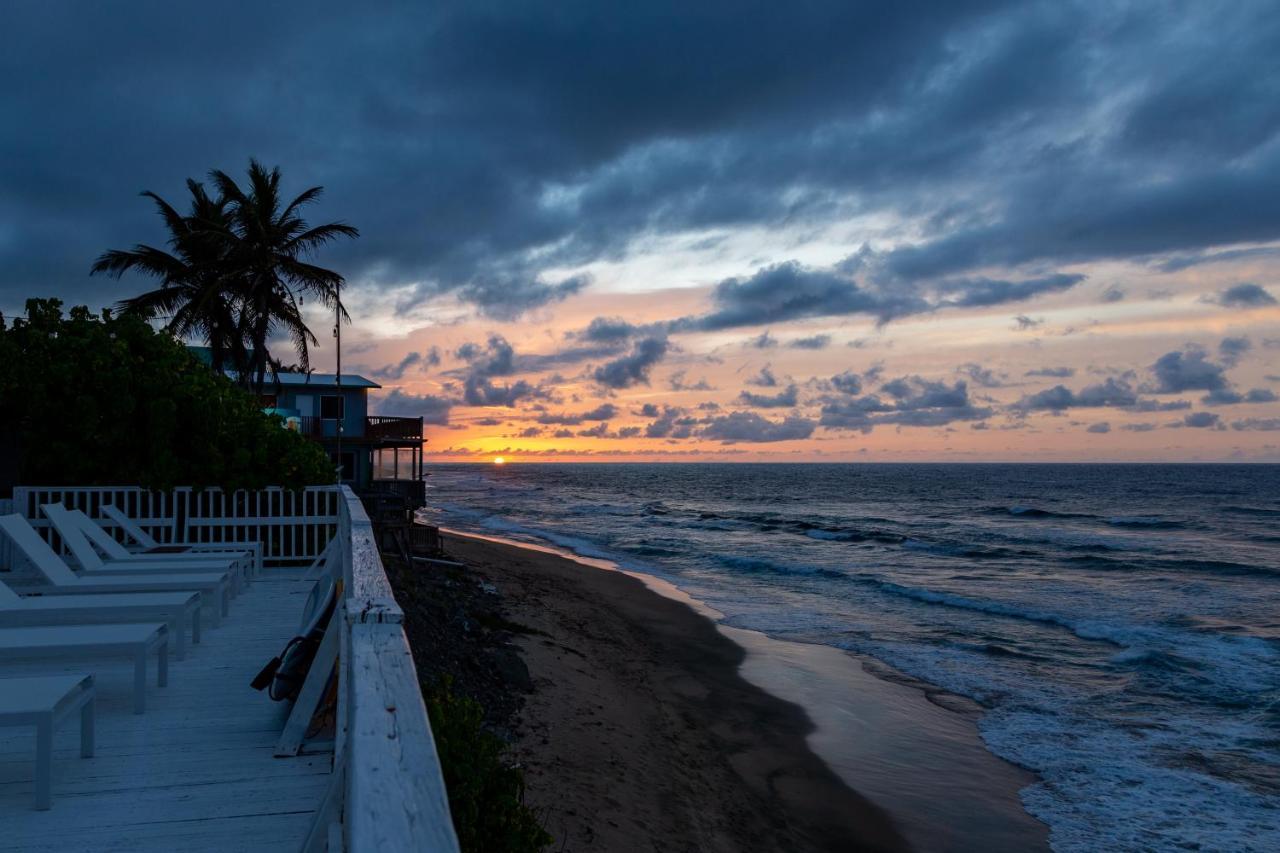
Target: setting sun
x,y
498,460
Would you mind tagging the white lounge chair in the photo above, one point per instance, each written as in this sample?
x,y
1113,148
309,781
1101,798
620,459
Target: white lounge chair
x,y
84,538
149,545
176,609
43,702
78,640
63,581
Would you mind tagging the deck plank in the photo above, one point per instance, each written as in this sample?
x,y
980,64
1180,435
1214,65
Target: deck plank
x,y
196,772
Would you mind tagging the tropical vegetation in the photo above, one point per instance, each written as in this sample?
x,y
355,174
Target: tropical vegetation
x,y
236,272
109,400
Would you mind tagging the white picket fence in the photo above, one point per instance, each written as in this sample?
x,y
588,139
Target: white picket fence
x,y
293,526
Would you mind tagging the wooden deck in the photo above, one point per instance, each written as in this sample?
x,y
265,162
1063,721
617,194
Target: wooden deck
x,y
196,772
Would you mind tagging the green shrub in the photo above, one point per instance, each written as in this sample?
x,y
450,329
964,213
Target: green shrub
x,y
486,794
107,400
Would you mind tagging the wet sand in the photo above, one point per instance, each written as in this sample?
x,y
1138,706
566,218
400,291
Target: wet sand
x,y
653,727
641,733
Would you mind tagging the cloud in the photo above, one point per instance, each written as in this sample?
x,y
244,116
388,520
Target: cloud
x,y
985,292
633,368
752,428
432,409
1110,393
785,399
1138,427
911,401
1113,294
848,382
764,340
671,423
396,371
1260,424
482,154
1231,350
764,379
1201,420
1188,370
1244,295
495,357
1101,427
812,342
1023,323
480,391
984,376
676,382
1054,372
608,330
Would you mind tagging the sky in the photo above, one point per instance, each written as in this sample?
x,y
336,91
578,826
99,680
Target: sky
x,y
807,231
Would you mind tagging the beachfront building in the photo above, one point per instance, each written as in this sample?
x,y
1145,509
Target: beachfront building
x,y
377,454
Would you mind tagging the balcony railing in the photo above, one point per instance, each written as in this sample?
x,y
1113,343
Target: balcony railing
x,y
389,428
376,427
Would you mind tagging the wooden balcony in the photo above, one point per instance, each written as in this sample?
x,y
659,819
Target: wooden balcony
x,y
388,428
376,428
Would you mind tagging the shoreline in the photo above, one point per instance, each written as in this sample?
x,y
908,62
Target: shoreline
x,y
640,733
908,754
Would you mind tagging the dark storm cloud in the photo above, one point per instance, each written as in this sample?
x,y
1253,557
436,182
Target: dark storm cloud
x,y
764,340
481,147
633,368
752,428
1101,427
1054,372
432,409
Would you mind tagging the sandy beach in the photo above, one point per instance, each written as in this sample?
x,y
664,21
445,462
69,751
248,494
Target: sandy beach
x,y
641,735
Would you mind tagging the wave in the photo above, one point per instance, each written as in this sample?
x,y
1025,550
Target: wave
x,y
755,565
1189,566
1146,521
1252,510
1019,511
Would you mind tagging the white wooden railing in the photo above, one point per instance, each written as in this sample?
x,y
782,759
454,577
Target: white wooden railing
x,y
390,793
293,526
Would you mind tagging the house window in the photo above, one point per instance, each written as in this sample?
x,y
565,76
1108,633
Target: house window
x,y
332,408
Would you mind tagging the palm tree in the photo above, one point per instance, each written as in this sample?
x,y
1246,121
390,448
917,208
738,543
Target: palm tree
x,y
196,295
265,245
235,275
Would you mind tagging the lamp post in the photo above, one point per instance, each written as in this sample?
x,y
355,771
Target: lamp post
x,y
337,334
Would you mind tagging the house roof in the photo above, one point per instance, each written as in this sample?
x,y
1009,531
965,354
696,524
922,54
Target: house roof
x,y
295,381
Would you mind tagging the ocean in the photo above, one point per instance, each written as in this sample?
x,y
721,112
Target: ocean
x,y
1118,624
